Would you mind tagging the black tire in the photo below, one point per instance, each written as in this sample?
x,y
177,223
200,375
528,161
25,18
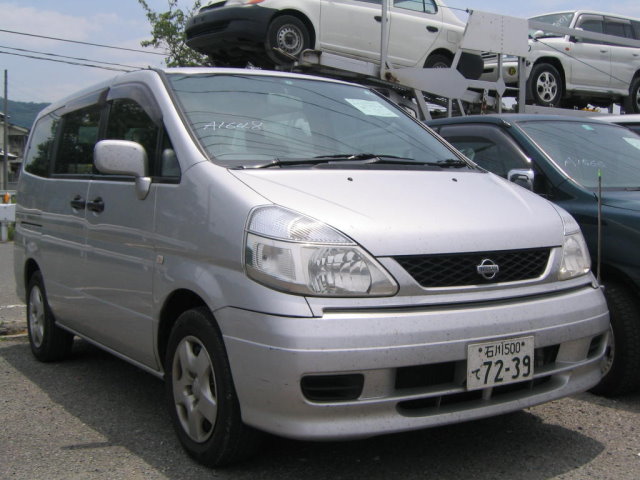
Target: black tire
x,y
48,342
622,361
289,34
632,102
470,65
438,60
545,85
200,394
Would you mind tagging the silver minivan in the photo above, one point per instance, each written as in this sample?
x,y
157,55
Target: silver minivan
x,y
298,256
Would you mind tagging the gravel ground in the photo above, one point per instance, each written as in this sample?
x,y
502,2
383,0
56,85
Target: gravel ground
x,y
12,310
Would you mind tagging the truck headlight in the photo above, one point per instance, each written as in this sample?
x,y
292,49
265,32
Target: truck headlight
x,y
291,252
575,254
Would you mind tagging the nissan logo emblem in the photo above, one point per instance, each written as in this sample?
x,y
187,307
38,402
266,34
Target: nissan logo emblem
x,y
488,269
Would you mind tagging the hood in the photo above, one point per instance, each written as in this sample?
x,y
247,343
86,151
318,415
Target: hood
x,y
396,212
627,200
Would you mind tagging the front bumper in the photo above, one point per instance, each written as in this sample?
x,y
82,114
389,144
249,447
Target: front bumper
x,y
509,72
270,355
225,29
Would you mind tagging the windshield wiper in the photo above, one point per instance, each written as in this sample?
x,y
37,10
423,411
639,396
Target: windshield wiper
x,y
359,159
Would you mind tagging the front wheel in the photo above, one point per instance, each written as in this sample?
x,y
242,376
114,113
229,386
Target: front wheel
x,y
201,397
48,342
289,35
622,357
632,102
545,85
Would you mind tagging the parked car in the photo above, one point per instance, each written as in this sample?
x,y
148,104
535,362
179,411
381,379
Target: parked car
x,y
631,121
569,71
422,33
296,255
560,158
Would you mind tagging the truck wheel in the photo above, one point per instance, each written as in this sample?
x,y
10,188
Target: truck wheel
x,y
437,60
200,394
470,65
288,34
48,342
545,85
632,102
622,360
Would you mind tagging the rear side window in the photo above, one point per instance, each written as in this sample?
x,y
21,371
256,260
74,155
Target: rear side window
x,y
426,6
78,137
40,155
619,28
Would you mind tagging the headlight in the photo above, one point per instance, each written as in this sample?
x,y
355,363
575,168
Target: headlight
x,y
575,254
294,253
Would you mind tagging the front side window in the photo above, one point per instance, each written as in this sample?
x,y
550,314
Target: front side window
x,y
129,121
40,155
585,150
591,23
247,120
487,146
78,138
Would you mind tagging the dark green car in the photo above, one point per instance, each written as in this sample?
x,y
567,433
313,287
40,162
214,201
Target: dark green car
x,y
561,159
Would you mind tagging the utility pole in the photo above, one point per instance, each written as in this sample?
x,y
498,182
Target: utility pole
x,y
5,144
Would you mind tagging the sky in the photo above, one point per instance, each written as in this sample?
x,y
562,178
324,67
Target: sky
x,y
122,23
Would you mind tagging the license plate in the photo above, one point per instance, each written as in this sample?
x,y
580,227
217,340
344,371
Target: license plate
x,y
499,363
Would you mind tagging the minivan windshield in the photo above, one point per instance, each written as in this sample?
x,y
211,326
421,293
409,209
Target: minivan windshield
x,y
557,19
250,120
585,149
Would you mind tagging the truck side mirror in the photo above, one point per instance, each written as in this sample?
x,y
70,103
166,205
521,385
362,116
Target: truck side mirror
x,y
522,177
123,157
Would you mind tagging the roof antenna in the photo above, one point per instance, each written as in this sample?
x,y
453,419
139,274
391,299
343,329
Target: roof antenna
x,y
599,257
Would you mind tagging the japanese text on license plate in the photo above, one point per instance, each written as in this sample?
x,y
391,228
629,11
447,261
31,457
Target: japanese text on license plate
x,y
500,362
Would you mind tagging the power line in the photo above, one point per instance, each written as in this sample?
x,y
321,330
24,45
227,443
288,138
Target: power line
x,y
82,43
70,58
63,61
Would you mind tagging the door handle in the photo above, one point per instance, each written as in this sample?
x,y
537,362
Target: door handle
x,y
78,203
97,205
432,29
378,18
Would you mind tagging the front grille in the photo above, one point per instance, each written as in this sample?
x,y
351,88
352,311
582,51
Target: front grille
x,y
458,270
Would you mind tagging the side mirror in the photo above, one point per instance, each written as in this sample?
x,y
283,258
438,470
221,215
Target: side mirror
x,y
573,38
123,157
538,34
522,177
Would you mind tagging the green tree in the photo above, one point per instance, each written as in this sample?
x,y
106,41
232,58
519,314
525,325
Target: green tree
x,y
167,31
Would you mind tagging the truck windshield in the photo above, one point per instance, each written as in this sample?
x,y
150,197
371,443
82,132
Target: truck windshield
x,y
583,149
557,19
251,120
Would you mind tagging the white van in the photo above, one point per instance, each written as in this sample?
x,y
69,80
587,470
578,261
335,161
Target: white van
x,y
298,256
571,71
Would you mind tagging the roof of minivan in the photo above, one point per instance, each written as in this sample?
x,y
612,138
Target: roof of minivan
x,y
588,12
139,74
508,118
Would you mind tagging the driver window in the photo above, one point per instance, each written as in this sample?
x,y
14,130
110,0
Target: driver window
x,y
591,24
129,121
